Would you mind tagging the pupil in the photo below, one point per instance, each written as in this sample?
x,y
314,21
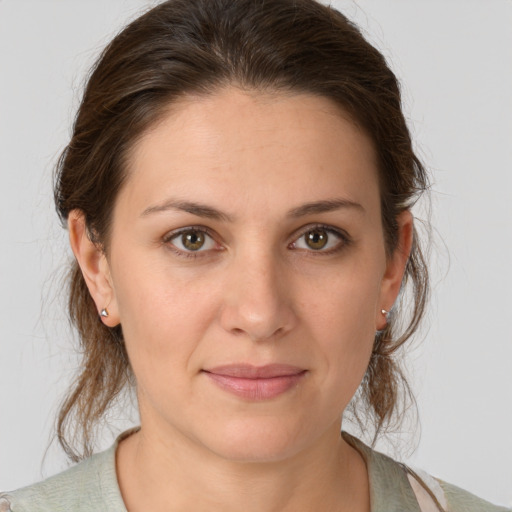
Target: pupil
x,y
193,240
317,239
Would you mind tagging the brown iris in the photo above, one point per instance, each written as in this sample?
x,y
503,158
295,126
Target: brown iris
x,y
192,240
316,239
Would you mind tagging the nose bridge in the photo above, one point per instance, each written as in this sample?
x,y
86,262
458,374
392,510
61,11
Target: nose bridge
x,y
256,299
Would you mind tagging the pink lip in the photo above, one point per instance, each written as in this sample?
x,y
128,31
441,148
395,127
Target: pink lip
x,y
256,382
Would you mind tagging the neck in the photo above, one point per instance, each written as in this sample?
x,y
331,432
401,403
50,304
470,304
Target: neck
x,y
167,473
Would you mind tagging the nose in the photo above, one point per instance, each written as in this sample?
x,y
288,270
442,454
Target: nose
x,y
258,298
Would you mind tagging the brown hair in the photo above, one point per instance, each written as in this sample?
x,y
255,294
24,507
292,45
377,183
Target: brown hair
x,y
198,46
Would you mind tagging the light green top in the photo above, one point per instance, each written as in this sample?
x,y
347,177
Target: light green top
x,y
91,486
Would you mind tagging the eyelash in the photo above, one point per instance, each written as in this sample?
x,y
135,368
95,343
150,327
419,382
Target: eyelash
x,y
343,243
345,240
186,254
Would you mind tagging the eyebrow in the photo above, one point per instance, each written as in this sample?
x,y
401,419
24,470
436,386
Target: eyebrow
x,y
199,209
208,212
324,206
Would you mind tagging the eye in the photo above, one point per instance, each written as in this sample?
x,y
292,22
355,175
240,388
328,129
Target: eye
x,y
192,240
320,239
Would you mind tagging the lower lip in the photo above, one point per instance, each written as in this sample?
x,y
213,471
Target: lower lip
x,y
256,389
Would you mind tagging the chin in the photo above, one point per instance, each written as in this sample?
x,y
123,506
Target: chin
x,y
257,441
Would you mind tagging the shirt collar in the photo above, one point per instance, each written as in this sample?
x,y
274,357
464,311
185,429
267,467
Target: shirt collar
x,y
389,486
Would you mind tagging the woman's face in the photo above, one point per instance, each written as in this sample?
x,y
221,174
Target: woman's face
x,y
248,270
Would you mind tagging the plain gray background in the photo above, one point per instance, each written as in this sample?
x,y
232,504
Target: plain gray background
x,y
455,60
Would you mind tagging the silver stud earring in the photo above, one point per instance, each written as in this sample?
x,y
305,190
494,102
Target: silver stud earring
x,y
104,313
384,312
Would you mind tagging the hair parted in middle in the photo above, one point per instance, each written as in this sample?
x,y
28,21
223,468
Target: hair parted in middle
x,y
185,47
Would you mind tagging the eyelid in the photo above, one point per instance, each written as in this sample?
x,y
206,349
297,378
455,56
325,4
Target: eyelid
x,y
176,232
345,240
169,237
344,237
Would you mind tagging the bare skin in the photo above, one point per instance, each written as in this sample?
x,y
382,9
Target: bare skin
x,y
335,481
248,236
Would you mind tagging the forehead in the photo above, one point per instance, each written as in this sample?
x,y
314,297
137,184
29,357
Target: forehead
x,y
245,148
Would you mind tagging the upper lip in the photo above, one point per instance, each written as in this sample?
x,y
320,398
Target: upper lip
x,y
248,371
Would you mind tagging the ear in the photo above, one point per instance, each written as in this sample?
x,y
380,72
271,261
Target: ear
x,y
395,267
94,266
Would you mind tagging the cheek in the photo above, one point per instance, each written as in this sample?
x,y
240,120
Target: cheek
x,y
163,314
347,297
343,321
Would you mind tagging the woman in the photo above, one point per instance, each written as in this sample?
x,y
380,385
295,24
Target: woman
x,y
237,192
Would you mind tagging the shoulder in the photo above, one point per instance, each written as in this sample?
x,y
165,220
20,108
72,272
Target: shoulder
x,y
450,497
89,486
459,500
396,486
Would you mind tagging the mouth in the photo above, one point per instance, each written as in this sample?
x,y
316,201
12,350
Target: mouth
x,y
256,382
